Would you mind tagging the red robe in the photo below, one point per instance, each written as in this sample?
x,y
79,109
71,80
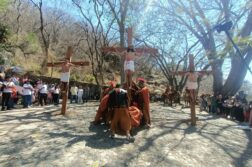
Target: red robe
x,y
144,104
135,115
103,115
99,117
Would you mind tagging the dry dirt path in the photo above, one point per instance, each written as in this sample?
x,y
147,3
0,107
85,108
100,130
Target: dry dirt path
x,y
36,137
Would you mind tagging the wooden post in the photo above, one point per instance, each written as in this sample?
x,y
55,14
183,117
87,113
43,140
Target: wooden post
x,y
65,85
193,92
192,104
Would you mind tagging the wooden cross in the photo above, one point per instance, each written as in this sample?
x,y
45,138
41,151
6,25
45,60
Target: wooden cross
x,y
126,52
66,69
192,85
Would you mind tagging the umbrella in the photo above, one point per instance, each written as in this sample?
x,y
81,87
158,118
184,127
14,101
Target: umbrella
x,y
2,69
17,69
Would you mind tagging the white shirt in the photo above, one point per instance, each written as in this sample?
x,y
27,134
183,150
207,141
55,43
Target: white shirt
x,y
27,89
8,86
56,91
80,92
43,89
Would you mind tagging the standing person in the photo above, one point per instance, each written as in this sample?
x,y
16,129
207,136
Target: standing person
x,y
220,104
144,102
80,94
250,117
201,102
118,102
27,94
247,112
43,90
86,94
73,91
8,86
50,93
56,92
213,108
37,93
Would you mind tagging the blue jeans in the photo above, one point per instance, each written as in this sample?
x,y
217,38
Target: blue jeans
x,y
27,100
73,97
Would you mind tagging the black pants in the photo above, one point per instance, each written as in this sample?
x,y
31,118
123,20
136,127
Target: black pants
x,y
56,98
43,98
6,100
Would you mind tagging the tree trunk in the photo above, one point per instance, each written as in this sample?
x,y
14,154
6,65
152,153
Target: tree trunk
x,y
237,74
122,44
45,61
217,78
210,47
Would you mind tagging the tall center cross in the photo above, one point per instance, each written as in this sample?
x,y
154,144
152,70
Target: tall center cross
x,y
192,85
66,65
128,54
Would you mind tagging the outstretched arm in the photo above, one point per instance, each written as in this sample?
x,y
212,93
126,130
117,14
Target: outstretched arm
x,y
201,73
178,72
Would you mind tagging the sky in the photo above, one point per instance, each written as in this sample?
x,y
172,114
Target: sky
x,y
225,70
67,6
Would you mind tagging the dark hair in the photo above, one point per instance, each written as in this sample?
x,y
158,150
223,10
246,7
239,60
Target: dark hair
x,y
7,77
130,49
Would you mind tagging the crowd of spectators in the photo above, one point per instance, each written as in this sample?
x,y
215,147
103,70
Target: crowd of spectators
x,y
232,107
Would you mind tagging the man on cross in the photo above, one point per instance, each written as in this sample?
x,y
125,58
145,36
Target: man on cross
x,y
192,84
65,74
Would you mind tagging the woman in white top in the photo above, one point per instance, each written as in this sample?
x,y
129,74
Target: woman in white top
x,y
43,90
56,92
8,85
27,94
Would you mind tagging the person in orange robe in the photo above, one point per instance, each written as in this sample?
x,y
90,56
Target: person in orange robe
x,y
135,116
144,101
121,121
103,114
111,86
102,110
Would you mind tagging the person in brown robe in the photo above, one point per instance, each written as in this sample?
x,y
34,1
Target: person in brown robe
x,y
120,122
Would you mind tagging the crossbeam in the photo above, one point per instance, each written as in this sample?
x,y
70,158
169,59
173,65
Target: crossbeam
x,y
79,63
65,67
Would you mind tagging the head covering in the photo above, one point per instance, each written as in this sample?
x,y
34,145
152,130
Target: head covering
x,y
141,79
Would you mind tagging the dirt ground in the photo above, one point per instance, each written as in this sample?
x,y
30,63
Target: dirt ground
x,y
38,137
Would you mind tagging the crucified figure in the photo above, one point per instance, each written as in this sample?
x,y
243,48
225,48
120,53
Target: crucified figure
x,y
65,74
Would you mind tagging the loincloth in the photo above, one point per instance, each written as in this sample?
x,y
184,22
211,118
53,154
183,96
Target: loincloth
x,y
129,66
65,77
191,85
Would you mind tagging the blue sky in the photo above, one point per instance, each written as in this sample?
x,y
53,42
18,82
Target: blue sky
x,y
66,5
226,66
